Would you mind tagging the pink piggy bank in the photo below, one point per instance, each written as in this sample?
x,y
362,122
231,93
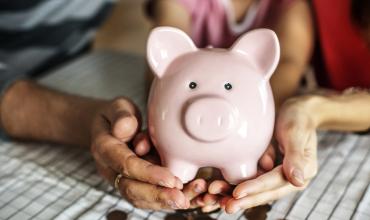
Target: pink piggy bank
x,y
211,107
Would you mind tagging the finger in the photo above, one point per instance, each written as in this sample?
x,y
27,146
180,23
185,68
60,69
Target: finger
x,y
210,208
158,197
295,145
220,187
210,199
123,118
266,182
293,164
234,205
197,202
210,203
142,144
195,188
223,201
120,158
267,160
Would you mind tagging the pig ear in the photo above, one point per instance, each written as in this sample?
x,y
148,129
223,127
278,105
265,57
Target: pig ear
x,y
164,45
261,46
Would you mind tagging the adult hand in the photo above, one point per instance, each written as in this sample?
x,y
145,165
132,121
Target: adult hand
x,y
220,192
194,191
296,135
144,184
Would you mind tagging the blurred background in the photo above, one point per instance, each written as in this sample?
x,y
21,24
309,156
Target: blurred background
x,y
125,29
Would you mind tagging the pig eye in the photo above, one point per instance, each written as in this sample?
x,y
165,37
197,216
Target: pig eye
x,y
192,85
228,86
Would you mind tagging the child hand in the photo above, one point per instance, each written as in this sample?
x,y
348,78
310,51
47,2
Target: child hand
x,y
296,135
221,192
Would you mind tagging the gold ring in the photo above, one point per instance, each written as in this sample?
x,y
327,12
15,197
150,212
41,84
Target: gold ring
x,y
116,181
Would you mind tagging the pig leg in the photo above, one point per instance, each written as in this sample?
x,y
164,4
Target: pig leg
x,y
237,173
184,170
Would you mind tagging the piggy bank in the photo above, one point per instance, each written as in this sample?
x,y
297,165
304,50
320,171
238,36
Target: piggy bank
x,y
211,107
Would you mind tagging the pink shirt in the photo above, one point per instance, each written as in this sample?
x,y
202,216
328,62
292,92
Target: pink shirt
x,y
213,22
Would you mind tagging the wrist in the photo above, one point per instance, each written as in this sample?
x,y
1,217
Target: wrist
x,y
310,105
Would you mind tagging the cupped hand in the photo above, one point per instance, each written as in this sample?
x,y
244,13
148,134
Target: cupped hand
x,y
220,192
144,184
195,191
296,136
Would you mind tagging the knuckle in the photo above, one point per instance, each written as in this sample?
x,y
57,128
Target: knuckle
x,y
160,197
123,170
157,198
129,192
130,164
151,175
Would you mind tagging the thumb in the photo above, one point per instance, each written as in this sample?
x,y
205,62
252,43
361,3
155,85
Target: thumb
x,y
142,144
293,166
122,115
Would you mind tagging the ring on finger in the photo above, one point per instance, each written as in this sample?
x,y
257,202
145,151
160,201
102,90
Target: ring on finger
x,y
117,180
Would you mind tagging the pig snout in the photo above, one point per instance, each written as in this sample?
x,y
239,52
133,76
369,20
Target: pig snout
x,y
209,119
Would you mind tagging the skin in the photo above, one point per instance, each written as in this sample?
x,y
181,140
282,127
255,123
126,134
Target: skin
x,y
208,201
103,126
107,127
296,127
298,119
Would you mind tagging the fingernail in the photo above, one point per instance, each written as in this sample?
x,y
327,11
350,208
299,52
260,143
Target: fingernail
x,y
164,184
180,206
241,195
298,175
234,210
207,209
198,189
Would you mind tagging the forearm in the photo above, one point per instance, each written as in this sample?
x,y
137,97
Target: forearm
x,y
295,32
341,112
30,111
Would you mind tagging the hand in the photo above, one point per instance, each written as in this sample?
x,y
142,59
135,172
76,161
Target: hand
x,y
193,191
220,192
144,184
296,135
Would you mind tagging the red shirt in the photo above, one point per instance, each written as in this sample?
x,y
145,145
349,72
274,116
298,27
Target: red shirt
x,y
344,51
